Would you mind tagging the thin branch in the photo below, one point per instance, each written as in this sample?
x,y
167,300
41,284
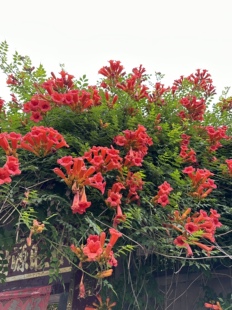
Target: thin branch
x,y
184,291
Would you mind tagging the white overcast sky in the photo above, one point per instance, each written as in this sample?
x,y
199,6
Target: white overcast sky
x,y
174,37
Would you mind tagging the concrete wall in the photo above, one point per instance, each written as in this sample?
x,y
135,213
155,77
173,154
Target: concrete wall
x,y
184,291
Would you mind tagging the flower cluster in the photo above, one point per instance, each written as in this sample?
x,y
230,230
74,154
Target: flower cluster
x,y
195,108
114,196
103,158
10,168
215,135
139,74
114,201
157,94
95,249
133,87
61,92
188,155
200,81
62,84
132,182
77,177
133,158
199,226
10,142
42,141
201,183
80,202
78,100
163,193
137,140
38,106
107,305
113,73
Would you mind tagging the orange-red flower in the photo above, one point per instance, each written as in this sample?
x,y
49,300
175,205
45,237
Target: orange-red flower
x,y
80,203
204,247
162,195
119,217
137,140
195,107
102,305
202,185
78,175
93,248
115,234
213,306
113,72
36,228
96,250
181,241
104,273
42,141
12,165
4,175
10,142
193,229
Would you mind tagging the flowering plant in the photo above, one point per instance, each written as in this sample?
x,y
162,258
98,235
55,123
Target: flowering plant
x,y
118,157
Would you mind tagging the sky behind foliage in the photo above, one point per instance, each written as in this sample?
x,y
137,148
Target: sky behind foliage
x,y
171,37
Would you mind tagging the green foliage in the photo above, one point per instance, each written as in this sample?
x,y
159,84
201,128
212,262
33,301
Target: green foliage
x,y
27,216
82,83
54,274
